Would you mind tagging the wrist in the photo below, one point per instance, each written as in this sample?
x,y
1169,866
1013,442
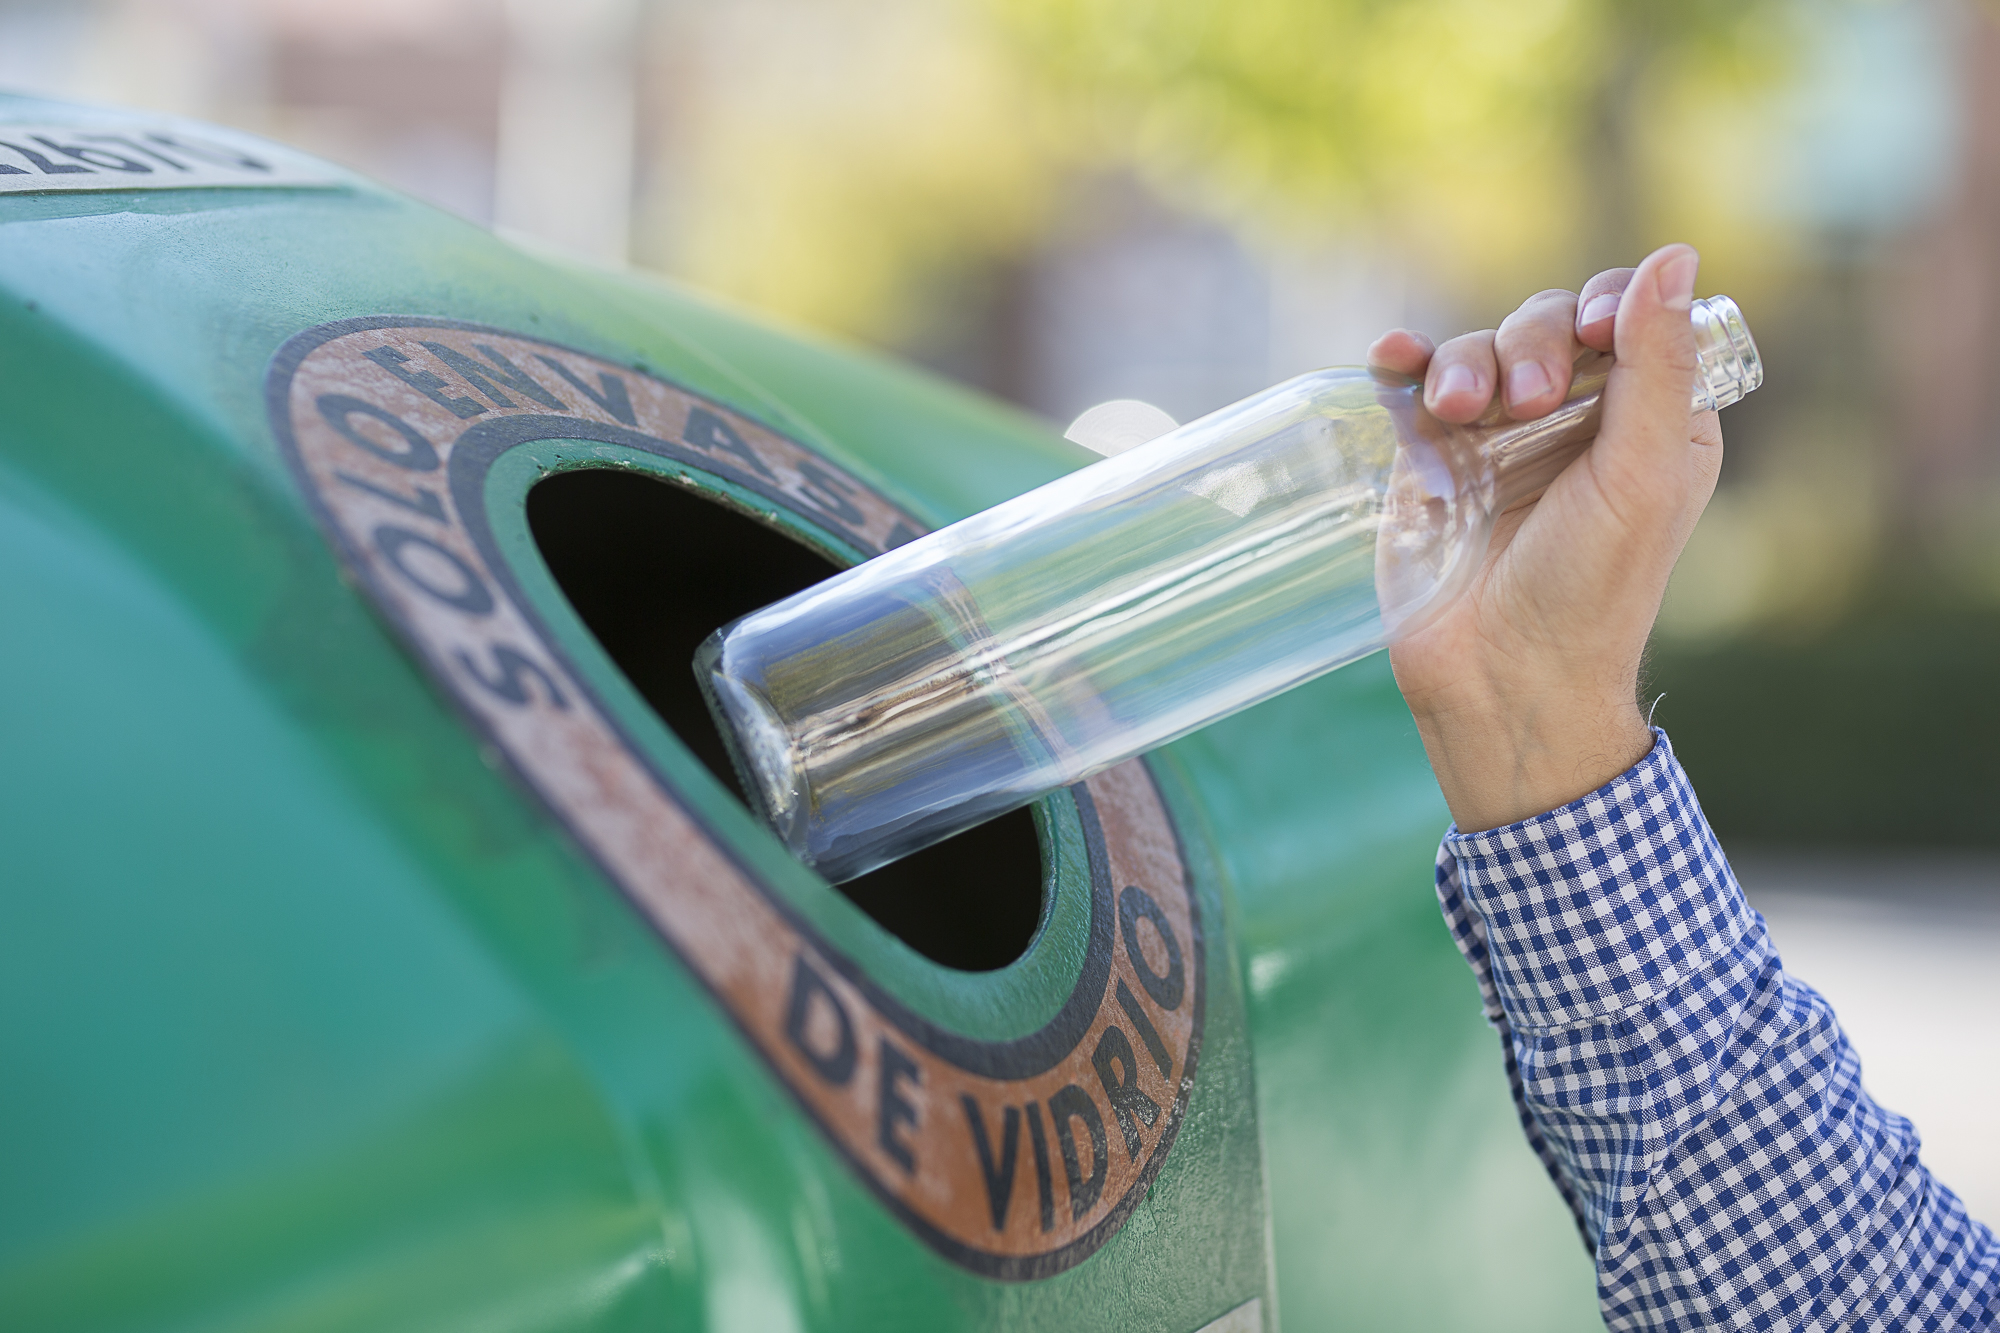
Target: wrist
x,y
1499,762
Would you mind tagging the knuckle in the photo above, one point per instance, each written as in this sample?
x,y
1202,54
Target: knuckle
x,y
1468,345
1610,280
1547,324
1551,307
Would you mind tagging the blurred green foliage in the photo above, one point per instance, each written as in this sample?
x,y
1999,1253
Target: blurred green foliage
x,y
1881,728
1492,139
1499,145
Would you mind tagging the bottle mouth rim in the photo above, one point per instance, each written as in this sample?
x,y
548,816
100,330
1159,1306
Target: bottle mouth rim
x,y
1730,364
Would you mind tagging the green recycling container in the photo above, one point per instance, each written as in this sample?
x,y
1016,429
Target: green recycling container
x,y
382,942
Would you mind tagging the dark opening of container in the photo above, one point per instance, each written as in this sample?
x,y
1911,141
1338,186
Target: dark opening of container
x,y
652,568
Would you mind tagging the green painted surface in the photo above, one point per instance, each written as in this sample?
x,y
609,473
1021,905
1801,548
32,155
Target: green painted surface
x,y
1402,1194
309,1020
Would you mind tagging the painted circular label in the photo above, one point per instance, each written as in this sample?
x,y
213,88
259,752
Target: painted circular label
x,y
1014,1158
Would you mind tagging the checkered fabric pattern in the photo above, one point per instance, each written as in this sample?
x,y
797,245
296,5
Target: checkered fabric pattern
x,y
1700,1110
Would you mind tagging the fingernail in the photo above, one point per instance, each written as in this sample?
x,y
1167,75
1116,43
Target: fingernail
x,y
1456,379
1526,382
1598,307
1676,279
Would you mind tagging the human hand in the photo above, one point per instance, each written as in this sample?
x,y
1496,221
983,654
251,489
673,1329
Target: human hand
x,y
1525,690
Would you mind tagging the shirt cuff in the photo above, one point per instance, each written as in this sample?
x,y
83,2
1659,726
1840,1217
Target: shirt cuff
x,y
1606,904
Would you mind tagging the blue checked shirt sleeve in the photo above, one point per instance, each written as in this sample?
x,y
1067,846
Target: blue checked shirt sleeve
x,y
1700,1110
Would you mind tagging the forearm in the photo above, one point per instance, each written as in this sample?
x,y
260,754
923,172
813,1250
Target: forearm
x,y
1700,1108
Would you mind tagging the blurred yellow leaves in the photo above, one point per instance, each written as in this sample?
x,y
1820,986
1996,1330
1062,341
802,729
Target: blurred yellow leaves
x,y
847,163
1702,153
836,153
859,150
1454,121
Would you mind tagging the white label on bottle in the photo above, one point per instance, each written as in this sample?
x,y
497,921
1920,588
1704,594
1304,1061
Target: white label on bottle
x,y
36,159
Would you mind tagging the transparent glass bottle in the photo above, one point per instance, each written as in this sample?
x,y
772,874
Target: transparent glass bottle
x,y
1132,602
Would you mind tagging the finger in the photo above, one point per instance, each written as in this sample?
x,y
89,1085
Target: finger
x,y
1536,347
1404,351
1462,375
1597,307
1705,430
1704,472
1648,402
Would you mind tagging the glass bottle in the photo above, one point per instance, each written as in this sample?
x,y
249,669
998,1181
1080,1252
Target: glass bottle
x,y
1132,602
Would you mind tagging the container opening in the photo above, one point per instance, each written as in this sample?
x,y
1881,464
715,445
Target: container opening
x,y
652,568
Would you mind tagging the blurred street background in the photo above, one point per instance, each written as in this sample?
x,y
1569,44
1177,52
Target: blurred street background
x,y
1063,202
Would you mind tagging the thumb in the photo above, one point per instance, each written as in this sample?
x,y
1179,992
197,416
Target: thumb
x,y
1649,399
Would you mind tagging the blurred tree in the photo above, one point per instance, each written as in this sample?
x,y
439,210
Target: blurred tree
x,y
1494,140
827,160
845,155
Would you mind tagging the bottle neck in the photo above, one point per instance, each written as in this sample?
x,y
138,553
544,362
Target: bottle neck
x,y
1523,457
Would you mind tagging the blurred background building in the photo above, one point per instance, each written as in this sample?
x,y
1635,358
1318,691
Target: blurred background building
x,y
1063,202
